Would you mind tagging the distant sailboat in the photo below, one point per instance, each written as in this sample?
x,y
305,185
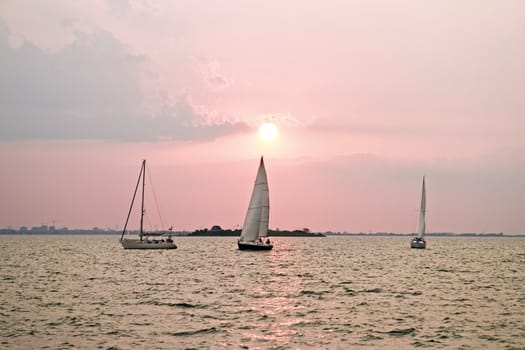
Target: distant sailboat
x,y
255,227
419,241
144,241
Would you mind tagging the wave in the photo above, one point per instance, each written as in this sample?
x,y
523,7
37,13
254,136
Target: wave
x,y
182,305
195,332
312,292
401,332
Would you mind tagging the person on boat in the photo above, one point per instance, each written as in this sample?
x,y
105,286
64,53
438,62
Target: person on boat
x,y
260,240
267,241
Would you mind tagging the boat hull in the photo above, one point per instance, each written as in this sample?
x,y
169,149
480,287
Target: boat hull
x,y
254,246
147,244
418,243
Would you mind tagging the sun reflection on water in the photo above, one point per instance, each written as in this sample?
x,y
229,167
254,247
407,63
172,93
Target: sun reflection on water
x,y
277,302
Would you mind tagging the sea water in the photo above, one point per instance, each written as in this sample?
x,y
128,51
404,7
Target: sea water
x,y
87,292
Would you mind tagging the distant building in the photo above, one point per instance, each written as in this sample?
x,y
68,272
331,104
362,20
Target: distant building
x,y
7,231
40,229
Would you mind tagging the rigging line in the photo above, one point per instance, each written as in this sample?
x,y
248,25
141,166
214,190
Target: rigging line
x,y
155,198
149,225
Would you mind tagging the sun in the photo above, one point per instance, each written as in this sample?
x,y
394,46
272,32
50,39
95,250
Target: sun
x,y
268,131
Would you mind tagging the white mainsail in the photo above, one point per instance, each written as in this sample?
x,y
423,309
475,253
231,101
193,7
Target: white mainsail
x,y
422,211
258,214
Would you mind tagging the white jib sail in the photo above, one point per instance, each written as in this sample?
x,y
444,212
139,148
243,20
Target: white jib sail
x,y
257,216
422,211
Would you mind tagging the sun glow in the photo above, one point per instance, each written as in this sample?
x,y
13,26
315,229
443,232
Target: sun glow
x,y
268,131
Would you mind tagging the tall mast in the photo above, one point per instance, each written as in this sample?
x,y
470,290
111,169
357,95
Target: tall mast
x,y
142,205
133,201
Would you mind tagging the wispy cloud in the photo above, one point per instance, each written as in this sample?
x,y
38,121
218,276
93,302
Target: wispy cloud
x,y
211,74
119,7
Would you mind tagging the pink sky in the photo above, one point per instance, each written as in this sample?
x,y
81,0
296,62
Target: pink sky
x,y
368,96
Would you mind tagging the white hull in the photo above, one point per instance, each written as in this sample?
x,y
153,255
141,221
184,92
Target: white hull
x,y
418,243
147,244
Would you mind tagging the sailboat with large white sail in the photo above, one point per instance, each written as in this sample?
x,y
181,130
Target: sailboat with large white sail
x,y
419,241
144,241
255,228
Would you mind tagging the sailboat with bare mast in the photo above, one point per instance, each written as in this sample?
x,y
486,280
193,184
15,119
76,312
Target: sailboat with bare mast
x,y
144,241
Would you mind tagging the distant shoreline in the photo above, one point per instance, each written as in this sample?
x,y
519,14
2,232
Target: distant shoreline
x,y
236,233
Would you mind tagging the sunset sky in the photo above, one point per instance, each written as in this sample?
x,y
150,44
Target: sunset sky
x,y
367,96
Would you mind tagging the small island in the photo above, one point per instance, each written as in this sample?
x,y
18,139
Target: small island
x,y
217,231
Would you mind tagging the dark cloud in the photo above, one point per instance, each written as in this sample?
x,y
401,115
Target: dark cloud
x,y
91,89
218,82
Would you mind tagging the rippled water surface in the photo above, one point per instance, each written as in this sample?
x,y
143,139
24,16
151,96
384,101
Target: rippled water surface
x,y
87,292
